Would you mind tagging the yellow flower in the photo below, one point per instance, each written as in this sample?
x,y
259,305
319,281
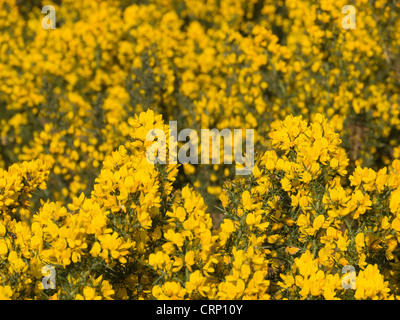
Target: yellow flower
x,y
89,293
246,200
96,249
189,259
169,291
306,178
385,223
370,284
360,241
286,185
2,230
3,247
174,237
291,250
224,199
318,222
5,292
396,224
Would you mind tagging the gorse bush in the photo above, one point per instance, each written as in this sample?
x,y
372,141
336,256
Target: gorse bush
x,y
78,193
288,230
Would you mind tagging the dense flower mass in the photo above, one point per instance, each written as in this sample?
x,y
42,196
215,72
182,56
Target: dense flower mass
x,y
78,194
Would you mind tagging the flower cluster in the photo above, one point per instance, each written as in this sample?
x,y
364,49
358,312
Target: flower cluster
x,y
313,218
289,228
69,92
